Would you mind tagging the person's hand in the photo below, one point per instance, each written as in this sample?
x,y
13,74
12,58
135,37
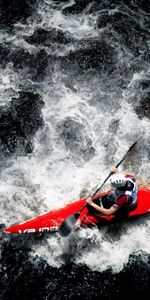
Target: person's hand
x,y
114,170
89,200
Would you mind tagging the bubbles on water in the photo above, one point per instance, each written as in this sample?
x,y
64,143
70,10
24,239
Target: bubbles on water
x,y
100,249
93,82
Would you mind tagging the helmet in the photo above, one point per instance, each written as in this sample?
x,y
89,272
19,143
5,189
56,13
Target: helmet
x,y
118,180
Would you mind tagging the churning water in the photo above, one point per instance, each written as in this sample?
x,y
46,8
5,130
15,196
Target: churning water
x,y
74,95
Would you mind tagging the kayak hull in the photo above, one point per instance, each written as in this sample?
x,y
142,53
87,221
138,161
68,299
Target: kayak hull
x,y
51,221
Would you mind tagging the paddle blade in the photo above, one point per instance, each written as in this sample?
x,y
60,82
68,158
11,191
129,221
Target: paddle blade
x,y
132,146
69,223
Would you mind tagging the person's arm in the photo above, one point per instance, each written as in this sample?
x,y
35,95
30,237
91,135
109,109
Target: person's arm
x,y
100,209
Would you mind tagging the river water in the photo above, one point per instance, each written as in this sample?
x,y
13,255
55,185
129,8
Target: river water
x,y
74,96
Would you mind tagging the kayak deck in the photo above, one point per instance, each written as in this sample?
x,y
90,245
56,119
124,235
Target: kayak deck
x,y
51,221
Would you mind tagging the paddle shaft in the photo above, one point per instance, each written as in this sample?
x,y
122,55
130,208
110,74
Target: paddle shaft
x,y
98,189
68,224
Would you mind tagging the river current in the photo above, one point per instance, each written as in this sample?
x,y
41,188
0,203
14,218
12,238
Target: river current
x,y
74,96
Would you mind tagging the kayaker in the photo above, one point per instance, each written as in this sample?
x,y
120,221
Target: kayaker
x,y
122,199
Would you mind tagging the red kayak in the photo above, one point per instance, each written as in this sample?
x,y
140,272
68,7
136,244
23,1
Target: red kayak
x,y
51,221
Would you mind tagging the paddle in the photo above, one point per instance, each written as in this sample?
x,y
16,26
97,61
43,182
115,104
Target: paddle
x,y
69,223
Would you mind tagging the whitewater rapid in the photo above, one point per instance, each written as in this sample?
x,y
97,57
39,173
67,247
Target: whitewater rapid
x,y
89,122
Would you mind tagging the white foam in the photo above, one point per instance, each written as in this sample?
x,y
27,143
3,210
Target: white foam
x,y
53,174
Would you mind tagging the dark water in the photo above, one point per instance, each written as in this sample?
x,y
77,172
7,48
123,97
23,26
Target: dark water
x,y
24,280
74,95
